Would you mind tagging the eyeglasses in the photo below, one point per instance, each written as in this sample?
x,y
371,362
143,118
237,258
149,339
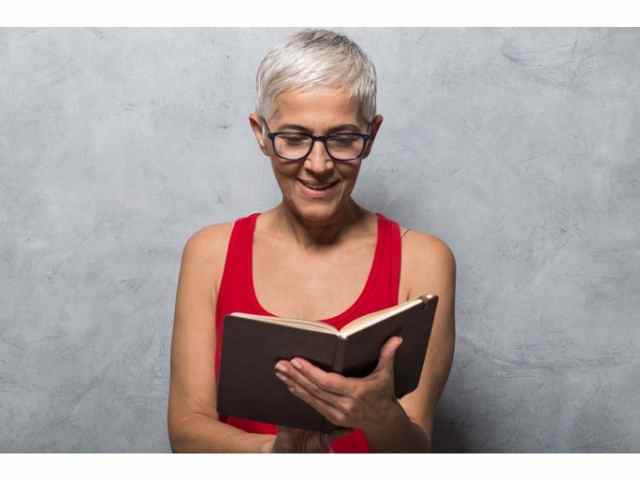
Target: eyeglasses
x,y
294,146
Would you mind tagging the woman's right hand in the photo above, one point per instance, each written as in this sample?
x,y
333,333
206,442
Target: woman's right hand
x,y
296,440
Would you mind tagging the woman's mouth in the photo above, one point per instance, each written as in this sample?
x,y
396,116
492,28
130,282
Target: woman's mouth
x,y
316,191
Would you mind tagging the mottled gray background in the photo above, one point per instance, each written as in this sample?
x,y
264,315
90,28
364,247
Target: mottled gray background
x,y
519,147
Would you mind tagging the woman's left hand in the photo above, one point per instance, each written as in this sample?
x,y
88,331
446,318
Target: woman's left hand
x,y
345,401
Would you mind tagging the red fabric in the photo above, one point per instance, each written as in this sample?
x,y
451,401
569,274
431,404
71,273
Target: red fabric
x,y
237,293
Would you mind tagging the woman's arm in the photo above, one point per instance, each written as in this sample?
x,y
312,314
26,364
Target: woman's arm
x,y
397,433
431,269
193,421
203,433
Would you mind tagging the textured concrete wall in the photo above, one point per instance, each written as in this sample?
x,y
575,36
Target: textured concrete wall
x,y
519,147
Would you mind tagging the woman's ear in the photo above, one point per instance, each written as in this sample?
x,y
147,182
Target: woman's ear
x,y
256,126
375,126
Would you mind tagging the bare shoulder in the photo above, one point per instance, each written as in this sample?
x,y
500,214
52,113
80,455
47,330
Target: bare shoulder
x,y
207,248
428,261
427,246
210,238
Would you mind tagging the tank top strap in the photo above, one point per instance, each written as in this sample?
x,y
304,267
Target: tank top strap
x,y
393,258
236,276
383,287
233,287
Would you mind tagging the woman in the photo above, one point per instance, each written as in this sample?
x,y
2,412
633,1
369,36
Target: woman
x,y
315,120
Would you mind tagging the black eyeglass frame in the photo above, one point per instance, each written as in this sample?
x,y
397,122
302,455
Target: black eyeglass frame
x,y
323,138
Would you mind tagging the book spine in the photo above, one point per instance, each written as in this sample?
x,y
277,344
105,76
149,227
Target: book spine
x,y
338,357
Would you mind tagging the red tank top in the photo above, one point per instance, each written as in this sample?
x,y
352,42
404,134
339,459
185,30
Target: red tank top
x,y
236,293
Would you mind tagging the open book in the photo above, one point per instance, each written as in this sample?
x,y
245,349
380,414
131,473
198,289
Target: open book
x,y
253,344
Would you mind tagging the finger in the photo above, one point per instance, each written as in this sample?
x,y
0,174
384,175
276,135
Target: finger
x,y
295,377
290,430
312,436
328,381
387,353
326,441
326,409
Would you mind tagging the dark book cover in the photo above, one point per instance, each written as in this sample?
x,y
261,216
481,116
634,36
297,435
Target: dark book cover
x,y
248,387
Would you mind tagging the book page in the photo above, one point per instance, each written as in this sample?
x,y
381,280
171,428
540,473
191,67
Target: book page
x,y
378,316
291,322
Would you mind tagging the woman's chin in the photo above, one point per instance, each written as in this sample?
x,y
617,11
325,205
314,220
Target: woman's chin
x,y
313,210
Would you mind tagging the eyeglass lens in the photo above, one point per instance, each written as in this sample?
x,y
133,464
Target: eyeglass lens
x,y
341,146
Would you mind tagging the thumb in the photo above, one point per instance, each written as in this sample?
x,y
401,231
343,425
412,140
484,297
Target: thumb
x,y
388,352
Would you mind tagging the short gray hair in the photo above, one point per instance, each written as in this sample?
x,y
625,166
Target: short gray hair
x,y
316,58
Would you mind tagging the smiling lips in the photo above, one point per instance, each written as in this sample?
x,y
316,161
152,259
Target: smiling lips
x,y
318,187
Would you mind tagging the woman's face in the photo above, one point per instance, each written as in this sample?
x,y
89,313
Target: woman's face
x,y
316,112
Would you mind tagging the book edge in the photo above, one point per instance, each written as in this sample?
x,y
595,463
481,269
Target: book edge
x,y
388,312
308,325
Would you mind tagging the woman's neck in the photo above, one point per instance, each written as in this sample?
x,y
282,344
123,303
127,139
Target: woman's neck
x,y
311,235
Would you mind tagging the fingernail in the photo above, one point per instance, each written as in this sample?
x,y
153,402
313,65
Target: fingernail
x,y
296,363
280,366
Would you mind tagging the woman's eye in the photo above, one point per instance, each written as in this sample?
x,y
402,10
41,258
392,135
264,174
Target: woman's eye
x,y
294,138
344,140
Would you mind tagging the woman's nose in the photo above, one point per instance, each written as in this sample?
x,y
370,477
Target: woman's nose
x,y
318,158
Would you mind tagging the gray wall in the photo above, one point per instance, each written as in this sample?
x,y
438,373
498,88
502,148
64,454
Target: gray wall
x,y
519,147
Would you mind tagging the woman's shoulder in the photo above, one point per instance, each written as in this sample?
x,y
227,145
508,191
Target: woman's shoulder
x,y
208,244
215,235
428,262
419,239
425,241
206,250
425,250
210,236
